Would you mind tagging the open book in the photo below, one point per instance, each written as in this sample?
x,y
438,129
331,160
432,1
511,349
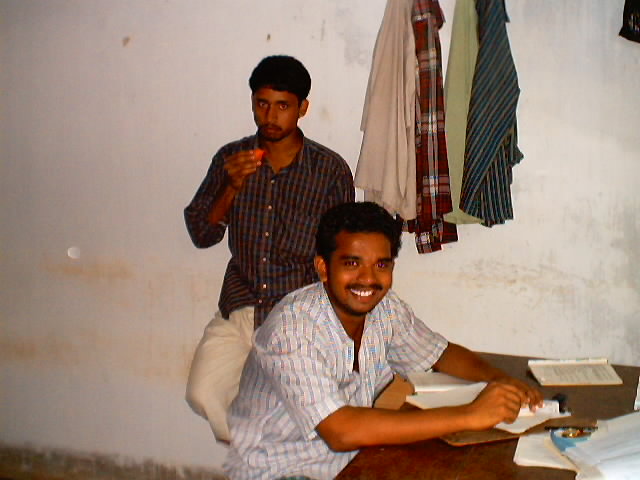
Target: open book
x,y
587,371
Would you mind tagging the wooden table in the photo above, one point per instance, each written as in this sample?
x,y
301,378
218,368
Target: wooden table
x,y
436,460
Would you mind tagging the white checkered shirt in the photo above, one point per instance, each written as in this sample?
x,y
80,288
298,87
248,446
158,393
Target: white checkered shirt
x,y
300,371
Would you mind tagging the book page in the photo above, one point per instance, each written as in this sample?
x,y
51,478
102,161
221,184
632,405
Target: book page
x,y
585,372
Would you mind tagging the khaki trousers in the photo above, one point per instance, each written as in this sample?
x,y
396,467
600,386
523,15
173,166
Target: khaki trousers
x,y
216,368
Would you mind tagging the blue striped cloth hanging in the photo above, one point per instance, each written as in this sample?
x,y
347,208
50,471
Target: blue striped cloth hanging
x,y
491,148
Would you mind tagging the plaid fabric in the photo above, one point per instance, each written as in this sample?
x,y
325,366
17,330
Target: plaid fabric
x,y
432,167
272,223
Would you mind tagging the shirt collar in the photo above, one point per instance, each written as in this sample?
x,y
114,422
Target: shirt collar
x,y
373,316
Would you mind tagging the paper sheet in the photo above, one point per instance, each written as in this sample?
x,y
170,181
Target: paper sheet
x,y
612,452
537,450
528,419
467,393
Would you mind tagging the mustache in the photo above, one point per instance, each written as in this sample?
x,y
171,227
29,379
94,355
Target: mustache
x,y
268,125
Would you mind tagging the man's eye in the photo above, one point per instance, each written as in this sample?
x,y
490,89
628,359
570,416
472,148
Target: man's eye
x,y
283,106
350,263
383,265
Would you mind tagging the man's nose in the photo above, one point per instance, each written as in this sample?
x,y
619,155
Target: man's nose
x,y
367,274
272,114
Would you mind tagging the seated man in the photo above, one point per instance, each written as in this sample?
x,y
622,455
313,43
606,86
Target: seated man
x,y
328,349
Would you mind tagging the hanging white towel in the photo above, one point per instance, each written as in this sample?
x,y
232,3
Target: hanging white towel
x,y
386,168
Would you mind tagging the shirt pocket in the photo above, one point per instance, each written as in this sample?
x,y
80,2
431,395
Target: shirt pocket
x,y
296,236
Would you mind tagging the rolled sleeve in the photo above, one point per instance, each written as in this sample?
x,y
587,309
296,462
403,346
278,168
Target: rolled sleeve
x,y
414,346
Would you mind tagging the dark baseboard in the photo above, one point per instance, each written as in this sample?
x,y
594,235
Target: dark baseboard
x,y
27,463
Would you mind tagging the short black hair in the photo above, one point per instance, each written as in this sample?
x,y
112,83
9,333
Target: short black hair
x,y
356,217
283,74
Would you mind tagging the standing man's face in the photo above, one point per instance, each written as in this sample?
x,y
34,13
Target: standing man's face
x,y
358,275
276,113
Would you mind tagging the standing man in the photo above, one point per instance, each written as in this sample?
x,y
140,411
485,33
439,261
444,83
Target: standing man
x,y
328,349
269,190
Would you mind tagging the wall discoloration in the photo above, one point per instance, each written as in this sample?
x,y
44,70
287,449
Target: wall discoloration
x,y
161,359
357,41
112,270
626,239
114,316
537,281
45,351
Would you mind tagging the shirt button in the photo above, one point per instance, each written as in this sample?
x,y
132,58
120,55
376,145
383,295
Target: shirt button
x,y
264,286
260,301
266,234
272,182
269,207
264,259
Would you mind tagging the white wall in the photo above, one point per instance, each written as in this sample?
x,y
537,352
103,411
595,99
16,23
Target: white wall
x,y
110,111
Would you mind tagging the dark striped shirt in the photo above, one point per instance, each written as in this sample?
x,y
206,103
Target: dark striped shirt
x,y
272,223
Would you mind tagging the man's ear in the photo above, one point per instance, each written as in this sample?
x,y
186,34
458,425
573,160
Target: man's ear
x,y
304,105
321,268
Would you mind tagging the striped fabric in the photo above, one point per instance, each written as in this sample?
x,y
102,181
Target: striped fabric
x,y
631,21
300,371
432,168
491,144
272,223
296,477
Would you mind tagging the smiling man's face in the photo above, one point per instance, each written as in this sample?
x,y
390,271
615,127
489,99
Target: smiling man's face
x,y
358,275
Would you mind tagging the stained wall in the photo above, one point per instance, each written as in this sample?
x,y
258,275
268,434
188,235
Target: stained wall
x,y
109,113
